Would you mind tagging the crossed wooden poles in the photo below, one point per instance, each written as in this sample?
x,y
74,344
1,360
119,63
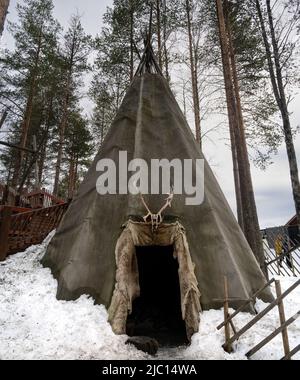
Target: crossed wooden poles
x,y
228,320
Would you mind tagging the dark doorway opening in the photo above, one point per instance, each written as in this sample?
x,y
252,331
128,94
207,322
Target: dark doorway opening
x,y
157,312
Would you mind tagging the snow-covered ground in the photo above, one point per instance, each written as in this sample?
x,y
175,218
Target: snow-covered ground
x,y
34,325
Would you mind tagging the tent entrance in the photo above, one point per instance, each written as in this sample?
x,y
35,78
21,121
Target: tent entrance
x,y
156,313
150,265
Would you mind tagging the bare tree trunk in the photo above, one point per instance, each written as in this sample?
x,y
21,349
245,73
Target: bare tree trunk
x,y
3,12
42,162
184,99
3,118
27,117
193,75
250,219
76,173
232,117
252,223
44,147
62,129
242,128
159,47
237,184
166,56
197,99
71,180
280,96
102,124
131,41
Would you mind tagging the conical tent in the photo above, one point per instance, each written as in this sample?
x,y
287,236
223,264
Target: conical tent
x,y
94,251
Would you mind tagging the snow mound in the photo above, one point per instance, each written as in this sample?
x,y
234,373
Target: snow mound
x,y
34,325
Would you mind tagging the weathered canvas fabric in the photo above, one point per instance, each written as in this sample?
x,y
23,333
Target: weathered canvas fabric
x,y
81,255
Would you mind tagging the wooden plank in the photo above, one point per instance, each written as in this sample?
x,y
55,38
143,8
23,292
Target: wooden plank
x,y
273,335
292,353
263,313
285,337
4,233
252,299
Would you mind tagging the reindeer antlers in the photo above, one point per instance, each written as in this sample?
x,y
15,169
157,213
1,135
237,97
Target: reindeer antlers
x,y
156,219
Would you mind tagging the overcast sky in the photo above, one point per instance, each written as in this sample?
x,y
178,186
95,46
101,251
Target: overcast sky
x,y
272,187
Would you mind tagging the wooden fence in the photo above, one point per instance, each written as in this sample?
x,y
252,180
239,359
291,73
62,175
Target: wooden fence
x,y
18,232
228,321
288,262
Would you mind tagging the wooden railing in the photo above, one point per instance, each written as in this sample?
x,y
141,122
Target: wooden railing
x,y
36,199
42,198
18,232
8,196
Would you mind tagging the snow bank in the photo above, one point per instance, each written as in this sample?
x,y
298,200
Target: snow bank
x,y
34,325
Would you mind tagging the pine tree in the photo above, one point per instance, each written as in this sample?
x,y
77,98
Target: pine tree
x,y
103,113
250,222
74,56
118,50
78,149
36,38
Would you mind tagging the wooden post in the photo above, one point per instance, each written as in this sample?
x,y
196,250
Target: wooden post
x,y
4,232
227,346
252,299
284,333
292,353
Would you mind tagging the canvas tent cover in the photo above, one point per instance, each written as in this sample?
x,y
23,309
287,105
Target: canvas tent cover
x,y
150,124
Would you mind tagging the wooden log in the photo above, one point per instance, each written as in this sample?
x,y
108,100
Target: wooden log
x,y
4,233
285,337
273,335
